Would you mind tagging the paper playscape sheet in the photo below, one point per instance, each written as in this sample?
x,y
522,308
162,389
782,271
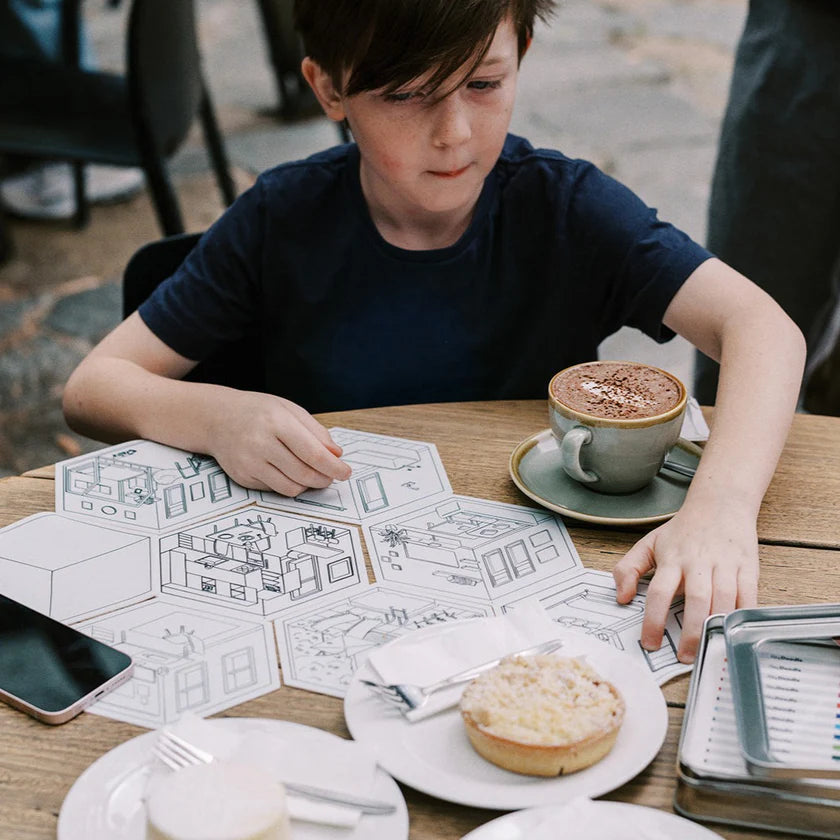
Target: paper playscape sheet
x,y
156,551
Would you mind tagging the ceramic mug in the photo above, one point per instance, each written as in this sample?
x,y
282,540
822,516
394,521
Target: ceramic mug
x,y
607,446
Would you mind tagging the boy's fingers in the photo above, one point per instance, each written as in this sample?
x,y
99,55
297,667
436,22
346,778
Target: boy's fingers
x,y
698,603
747,588
660,594
316,428
301,441
296,470
626,573
279,482
725,592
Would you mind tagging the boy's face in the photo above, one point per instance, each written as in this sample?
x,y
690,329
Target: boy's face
x,y
429,154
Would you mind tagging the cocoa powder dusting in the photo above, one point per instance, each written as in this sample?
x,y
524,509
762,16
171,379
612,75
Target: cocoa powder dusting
x,y
617,390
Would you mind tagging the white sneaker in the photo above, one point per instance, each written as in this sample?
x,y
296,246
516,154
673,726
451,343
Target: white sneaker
x,y
47,191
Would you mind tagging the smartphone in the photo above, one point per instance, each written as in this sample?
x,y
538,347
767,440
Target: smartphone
x,y
50,670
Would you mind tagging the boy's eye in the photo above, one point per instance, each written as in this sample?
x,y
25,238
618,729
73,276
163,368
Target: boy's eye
x,y
484,84
403,96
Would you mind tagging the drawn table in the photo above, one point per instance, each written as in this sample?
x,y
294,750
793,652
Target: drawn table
x,y
799,535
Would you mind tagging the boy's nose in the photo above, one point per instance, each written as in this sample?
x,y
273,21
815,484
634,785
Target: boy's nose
x,y
452,124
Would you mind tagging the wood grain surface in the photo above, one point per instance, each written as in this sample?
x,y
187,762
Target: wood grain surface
x,y
800,553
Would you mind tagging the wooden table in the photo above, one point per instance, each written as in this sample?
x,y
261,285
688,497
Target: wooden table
x,y
799,533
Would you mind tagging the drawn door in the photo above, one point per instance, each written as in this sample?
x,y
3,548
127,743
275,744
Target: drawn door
x,y
310,578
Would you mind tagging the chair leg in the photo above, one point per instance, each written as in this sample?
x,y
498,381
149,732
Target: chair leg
x,y
82,216
163,195
216,146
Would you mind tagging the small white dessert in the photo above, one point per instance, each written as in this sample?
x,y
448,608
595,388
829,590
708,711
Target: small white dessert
x,y
217,801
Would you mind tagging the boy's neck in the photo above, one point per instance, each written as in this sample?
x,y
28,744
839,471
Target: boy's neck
x,y
422,234
414,229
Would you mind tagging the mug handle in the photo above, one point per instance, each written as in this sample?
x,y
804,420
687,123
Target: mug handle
x,y
570,447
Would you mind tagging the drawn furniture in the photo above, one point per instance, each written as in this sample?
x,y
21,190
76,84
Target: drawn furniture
x,y
799,537
58,110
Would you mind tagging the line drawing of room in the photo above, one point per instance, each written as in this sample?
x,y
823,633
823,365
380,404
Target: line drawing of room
x,y
472,547
583,604
324,646
260,561
185,660
388,473
146,486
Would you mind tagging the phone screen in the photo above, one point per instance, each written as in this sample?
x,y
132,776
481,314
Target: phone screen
x,y
46,663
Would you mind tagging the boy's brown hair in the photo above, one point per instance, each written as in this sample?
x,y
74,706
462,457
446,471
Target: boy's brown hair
x,y
385,44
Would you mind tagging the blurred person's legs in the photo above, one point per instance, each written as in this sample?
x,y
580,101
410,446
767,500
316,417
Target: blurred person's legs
x,y
774,211
32,28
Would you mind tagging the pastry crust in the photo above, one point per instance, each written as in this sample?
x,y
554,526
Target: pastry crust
x,y
592,714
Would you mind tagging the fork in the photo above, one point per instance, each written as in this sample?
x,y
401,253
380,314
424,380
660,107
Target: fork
x,y
409,697
176,753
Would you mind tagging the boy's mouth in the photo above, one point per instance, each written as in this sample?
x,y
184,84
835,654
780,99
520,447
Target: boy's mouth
x,y
452,173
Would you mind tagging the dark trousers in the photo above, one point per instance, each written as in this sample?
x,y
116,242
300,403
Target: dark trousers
x,y
774,211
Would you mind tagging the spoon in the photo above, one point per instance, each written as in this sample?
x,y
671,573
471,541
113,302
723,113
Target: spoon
x,y
676,467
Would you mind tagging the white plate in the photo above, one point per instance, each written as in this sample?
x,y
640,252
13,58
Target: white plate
x,y
520,824
105,802
435,757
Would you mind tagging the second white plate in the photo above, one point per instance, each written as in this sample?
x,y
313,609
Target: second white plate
x,y
522,824
106,801
435,757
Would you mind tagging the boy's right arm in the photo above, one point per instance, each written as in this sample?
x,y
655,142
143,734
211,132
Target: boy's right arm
x,y
130,386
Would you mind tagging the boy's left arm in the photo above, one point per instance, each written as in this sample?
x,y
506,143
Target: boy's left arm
x,y
709,549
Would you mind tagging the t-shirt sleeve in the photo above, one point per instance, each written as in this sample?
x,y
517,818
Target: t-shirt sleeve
x,y
632,259
213,298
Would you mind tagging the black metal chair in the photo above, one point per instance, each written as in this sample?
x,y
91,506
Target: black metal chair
x,y
238,365
57,110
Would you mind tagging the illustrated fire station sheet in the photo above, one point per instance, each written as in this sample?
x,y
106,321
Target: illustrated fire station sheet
x,y
156,551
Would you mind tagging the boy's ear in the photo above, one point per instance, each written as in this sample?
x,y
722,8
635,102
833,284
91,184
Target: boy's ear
x,y
323,88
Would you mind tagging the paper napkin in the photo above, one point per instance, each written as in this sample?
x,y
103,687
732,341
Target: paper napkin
x,y
458,646
344,766
694,425
583,819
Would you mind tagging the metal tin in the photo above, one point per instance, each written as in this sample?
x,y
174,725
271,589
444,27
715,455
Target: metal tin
x,y
804,807
747,633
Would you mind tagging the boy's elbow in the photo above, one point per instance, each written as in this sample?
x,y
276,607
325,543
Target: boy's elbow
x,y
788,332
72,403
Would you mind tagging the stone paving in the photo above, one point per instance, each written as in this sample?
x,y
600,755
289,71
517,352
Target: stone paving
x,y
637,86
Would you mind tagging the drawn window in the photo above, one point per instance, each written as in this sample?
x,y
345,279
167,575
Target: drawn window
x,y
81,483
191,687
372,492
548,553
237,592
340,570
196,491
219,485
208,584
239,670
540,538
174,500
494,562
520,560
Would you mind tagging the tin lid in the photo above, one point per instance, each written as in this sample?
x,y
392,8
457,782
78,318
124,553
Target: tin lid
x,y
784,668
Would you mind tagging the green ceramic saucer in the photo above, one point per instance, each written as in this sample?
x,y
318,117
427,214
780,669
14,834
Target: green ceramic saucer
x,y
535,469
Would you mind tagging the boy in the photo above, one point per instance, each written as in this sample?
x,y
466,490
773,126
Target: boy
x,y
439,259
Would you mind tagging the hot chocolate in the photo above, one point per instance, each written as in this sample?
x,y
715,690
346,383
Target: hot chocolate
x,y
617,390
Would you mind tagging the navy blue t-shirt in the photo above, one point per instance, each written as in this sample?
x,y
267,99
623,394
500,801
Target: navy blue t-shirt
x,y
557,257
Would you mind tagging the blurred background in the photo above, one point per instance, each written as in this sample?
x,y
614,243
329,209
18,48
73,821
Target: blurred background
x,y
636,86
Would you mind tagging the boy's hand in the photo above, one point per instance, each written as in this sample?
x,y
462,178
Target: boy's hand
x,y
712,559
269,443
